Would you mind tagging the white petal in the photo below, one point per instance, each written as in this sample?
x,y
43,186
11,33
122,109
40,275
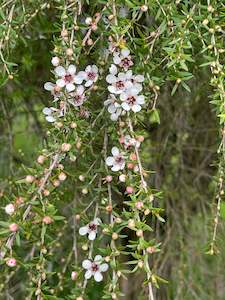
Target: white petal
x,y
114,117
113,90
48,86
92,235
125,52
88,69
98,276
111,78
60,71
47,111
94,68
80,90
60,82
71,69
88,83
129,74
115,151
136,108
109,161
103,267
116,168
141,99
88,274
139,78
113,69
98,258
83,230
70,87
111,108
107,102
123,96
50,119
86,264
116,59
125,106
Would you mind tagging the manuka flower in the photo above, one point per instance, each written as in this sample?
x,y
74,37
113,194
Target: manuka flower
x,y
78,96
49,114
54,89
67,77
114,108
90,229
90,75
94,268
131,100
123,59
118,82
117,161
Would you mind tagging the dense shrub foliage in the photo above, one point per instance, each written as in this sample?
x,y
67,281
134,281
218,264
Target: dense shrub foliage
x,y
112,149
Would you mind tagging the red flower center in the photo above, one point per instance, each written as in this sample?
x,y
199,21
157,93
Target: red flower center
x,y
120,84
68,78
92,226
94,267
91,75
131,100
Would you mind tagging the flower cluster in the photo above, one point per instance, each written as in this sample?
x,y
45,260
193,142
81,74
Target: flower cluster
x,y
71,87
124,86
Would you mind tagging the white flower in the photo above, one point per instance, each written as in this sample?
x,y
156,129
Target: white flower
x,y
129,141
123,59
114,108
48,111
118,83
54,89
78,96
10,209
117,161
94,268
131,100
90,75
90,229
67,77
55,61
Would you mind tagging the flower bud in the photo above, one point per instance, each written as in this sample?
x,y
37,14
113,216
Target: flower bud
x,y
46,192
41,159
130,166
139,205
122,178
144,8
115,236
47,220
64,33
29,178
62,176
55,61
10,209
133,156
151,249
13,227
85,247
84,191
81,178
140,264
108,178
73,125
11,262
66,147
77,217
109,208
88,21
56,183
69,52
74,275
107,258
139,233
129,189
131,223
90,42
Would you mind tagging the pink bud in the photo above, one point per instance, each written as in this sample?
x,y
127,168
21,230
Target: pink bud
x,y
139,205
47,220
129,189
130,166
11,262
108,178
13,227
74,275
29,178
